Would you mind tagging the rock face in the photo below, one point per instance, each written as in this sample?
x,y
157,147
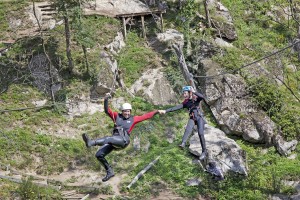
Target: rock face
x,y
234,111
222,21
81,105
226,153
107,75
153,86
112,8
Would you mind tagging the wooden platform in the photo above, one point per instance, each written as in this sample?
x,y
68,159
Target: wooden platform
x,y
129,16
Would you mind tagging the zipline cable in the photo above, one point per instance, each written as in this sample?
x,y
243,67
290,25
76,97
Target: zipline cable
x,y
255,61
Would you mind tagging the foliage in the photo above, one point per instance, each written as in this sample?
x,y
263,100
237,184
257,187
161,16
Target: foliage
x,y
135,58
28,190
266,95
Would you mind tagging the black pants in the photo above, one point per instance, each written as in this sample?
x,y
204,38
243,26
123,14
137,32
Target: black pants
x,y
108,144
199,121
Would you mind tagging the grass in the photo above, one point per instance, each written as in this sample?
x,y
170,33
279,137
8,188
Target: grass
x,y
135,58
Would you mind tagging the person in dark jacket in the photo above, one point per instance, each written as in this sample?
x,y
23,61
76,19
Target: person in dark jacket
x,y
191,102
124,124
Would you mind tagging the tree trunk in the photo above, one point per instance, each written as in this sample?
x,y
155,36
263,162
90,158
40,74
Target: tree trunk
x,y
208,22
68,44
86,59
188,39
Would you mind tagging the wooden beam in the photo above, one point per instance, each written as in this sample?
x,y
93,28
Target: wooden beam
x,y
143,26
124,27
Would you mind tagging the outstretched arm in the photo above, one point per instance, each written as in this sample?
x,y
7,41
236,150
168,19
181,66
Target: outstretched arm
x,y
107,110
145,116
178,107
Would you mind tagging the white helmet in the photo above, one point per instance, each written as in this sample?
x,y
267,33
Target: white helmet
x,y
126,106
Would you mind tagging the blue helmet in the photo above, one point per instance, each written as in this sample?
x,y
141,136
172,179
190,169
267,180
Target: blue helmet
x,y
186,88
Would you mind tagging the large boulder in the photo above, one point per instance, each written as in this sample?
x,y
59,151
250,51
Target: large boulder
x,y
112,8
107,78
153,86
234,111
222,20
223,150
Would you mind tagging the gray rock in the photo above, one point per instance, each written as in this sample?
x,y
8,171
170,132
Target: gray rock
x,y
225,151
222,43
80,105
39,103
292,156
193,182
279,197
222,20
154,87
234,110
112,8
170,135
215,170
117,102
171,36
146,146
136,143
116,45
106,79
283,147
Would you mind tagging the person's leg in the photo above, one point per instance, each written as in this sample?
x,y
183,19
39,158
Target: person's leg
x,y
116,141
100,155
187,132
200,127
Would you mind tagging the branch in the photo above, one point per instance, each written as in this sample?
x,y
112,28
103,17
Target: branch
x,y
287,87
140,174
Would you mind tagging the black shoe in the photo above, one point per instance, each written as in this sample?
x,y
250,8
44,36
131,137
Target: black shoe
x,y
109,174
203,155
87,140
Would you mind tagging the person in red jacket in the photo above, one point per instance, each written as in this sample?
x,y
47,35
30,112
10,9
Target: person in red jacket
x,y
124,124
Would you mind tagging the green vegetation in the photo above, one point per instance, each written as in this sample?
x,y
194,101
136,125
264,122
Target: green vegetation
x,y
28,190
135,58
258,37
36,139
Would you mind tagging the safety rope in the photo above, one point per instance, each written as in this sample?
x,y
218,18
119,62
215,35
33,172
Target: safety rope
x,y
249,64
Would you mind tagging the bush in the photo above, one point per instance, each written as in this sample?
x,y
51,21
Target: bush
x,y
266,95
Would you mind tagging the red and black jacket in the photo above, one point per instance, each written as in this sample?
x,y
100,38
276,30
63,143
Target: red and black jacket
x,y
129,123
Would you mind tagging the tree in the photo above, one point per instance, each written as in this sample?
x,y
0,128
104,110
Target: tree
x,y
66,8
83,35
187,13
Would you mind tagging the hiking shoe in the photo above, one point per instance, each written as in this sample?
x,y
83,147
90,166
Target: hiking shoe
x,y
182,145
87,140
203,155
109,174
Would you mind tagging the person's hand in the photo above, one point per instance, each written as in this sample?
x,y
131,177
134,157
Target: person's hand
x,y
192,90
107,95
161,112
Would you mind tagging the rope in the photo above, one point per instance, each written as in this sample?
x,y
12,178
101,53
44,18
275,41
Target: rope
x,y
255,61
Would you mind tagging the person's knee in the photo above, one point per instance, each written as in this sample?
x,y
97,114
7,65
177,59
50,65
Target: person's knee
x,y
100,155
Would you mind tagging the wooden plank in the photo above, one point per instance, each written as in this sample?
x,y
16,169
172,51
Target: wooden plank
x,y
141,13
